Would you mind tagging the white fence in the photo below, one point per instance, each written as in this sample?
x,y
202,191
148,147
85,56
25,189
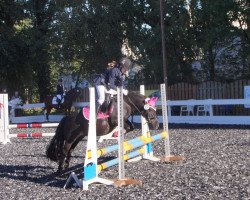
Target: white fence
x,y
206,107
202,115
38,118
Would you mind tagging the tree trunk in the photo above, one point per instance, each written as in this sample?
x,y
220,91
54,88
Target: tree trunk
x,y
42,68
211,63
43,80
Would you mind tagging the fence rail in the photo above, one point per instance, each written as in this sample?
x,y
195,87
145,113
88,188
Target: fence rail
x,y
184,91
205,90
209,116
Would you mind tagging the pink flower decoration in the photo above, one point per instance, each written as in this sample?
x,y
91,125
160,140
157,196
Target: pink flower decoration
x,y
152,101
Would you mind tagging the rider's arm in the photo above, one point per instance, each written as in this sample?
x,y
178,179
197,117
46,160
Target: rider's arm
x,y
112,78
59,89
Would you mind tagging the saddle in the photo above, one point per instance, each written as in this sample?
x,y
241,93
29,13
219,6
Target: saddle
x,y
101,114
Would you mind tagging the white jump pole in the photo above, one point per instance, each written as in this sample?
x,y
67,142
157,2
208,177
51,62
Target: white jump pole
x,y
122,181
4,119
165,119
168,157
90,163
120,132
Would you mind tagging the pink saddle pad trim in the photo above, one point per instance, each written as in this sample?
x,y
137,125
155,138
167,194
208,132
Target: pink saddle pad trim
x,y
101,115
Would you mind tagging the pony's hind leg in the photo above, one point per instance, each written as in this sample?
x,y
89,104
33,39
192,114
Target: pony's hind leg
x,y
48,110
67,111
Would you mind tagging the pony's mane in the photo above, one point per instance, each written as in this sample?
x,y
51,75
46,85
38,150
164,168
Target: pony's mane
x,y
135,93
72,91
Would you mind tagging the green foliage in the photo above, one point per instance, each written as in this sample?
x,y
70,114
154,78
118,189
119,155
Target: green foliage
x,y
41,40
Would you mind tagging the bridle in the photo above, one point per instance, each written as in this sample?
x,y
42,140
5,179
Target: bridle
x,y
148,120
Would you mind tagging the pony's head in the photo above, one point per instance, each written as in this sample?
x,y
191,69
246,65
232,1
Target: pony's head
x,y
146,107
149,112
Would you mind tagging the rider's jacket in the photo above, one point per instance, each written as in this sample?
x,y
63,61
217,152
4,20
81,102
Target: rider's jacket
x,y
116,78
59,89
102,79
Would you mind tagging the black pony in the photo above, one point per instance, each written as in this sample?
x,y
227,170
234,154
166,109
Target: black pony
x,y
72,129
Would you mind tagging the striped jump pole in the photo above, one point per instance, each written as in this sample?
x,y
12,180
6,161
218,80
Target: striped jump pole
x,y
31,135
148,153
116,160
141,141
34,125
131,144
5,126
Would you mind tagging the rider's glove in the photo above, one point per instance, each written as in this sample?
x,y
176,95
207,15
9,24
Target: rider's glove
x,y
125,92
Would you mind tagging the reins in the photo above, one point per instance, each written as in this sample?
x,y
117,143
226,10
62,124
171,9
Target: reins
x,y
136,108
134,105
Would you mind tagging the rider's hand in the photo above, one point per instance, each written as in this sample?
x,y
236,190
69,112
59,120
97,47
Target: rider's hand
x,y
125,92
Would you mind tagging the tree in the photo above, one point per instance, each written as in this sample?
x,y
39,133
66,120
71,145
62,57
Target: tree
x,y
213,30
15,70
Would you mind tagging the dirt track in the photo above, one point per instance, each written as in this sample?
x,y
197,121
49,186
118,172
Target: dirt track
x,y
217,166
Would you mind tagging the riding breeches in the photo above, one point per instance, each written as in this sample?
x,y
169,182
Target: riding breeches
x,y
101,94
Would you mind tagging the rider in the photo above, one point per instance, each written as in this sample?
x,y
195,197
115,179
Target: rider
x,y
113,77
101,84
16,96
59,92
15,101
117,77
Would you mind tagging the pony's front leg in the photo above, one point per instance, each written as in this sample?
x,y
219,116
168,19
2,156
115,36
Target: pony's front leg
x,y
129,126
66,165
60,165
62,157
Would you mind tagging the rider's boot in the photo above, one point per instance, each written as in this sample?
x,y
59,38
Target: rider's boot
x,y
106,103
59,104
108,98
97,109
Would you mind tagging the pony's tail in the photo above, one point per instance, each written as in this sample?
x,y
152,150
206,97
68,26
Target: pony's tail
x,y
55,146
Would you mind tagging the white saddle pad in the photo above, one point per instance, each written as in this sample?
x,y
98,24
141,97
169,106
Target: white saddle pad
x,y
54,102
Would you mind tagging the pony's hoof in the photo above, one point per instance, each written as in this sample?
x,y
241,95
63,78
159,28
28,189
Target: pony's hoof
x,y
58,173
66,166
